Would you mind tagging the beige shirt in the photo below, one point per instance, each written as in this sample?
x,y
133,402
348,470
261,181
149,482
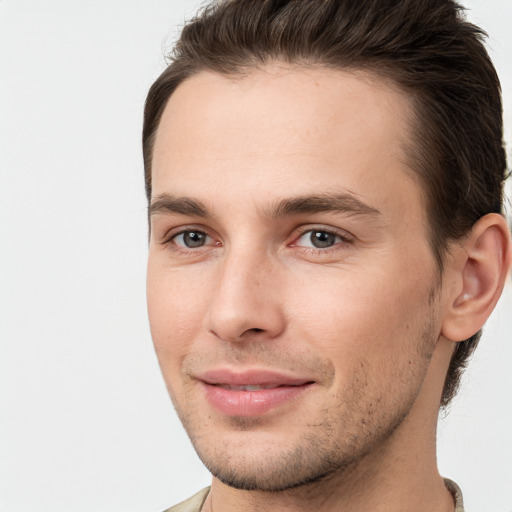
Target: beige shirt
x,y
195,503
456,493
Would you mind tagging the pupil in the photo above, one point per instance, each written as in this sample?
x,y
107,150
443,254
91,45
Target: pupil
x,y
193,238
321,239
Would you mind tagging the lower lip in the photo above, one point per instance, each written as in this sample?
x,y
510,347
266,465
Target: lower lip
x,y
251,403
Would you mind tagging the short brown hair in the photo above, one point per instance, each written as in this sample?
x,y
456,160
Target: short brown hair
x,y
426,47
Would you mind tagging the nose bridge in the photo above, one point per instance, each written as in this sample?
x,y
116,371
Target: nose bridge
x,y
246,298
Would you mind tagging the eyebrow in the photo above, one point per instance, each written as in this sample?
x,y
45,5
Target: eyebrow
x,y
166,203
339,203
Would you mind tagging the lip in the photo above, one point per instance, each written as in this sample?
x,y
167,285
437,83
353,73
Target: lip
x,y
222,390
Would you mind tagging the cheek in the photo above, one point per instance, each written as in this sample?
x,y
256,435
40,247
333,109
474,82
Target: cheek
x,y
176,306
373,332
361,311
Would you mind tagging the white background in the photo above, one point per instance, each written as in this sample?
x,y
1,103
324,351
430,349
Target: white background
x,y
85,422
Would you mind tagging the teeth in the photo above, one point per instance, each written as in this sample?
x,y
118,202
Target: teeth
x,y
252,388
247,388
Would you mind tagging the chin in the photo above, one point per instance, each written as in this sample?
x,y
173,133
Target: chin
x,y
272,467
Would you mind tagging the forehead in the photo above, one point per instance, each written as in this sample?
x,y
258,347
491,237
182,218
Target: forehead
x,y
299,130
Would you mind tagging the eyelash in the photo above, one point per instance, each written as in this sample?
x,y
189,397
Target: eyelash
x,y
345,238
169,238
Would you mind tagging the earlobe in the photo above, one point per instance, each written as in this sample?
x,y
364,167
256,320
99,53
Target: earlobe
x,y
482,264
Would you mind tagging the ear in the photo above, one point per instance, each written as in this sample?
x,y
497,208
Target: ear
x,y
478,270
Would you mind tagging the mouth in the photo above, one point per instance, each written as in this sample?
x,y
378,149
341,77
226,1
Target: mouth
x,y
252,393
250,387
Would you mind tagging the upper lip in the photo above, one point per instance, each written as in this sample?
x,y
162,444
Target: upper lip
x,y
251,377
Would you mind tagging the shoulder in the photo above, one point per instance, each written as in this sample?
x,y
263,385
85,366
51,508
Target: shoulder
x,y
193,504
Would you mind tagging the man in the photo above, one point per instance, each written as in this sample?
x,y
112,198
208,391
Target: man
x,y
326,241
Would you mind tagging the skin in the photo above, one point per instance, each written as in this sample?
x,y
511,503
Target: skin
x,y
362,318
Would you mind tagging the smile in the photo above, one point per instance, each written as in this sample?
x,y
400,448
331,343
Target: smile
x,y
252,392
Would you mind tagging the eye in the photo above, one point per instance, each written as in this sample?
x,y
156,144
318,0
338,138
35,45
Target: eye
x,y
319,239
192,239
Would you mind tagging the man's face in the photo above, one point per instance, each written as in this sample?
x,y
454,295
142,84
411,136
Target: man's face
x,y
293,297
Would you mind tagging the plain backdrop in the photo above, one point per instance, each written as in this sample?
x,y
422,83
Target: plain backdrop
x,y
85,421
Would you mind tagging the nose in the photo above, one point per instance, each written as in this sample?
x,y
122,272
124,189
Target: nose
x,y
246,299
